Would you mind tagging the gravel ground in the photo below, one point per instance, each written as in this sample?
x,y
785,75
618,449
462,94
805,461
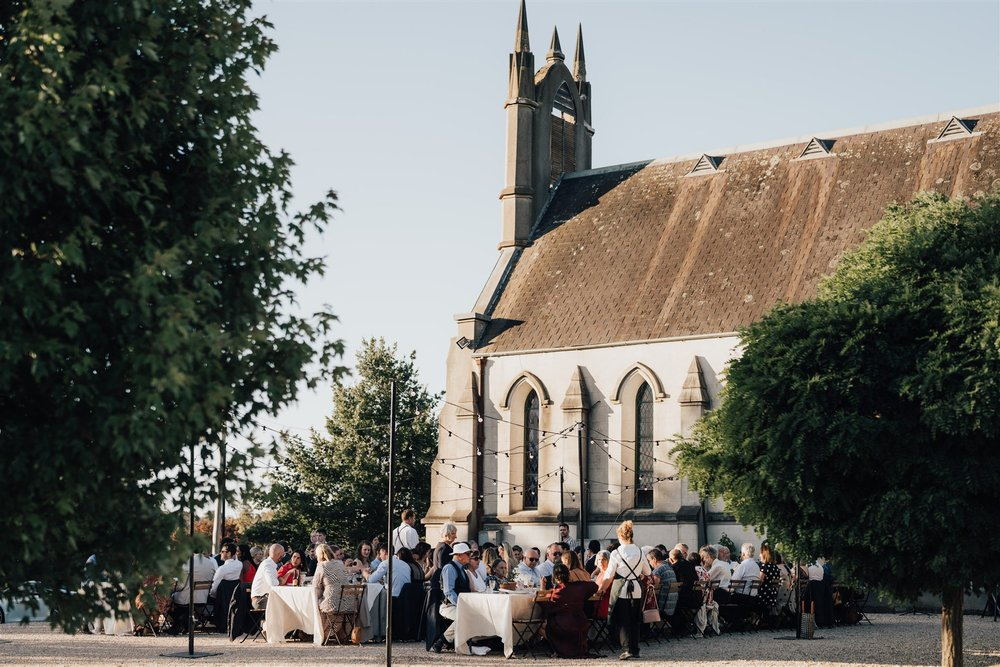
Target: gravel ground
x,y
891,640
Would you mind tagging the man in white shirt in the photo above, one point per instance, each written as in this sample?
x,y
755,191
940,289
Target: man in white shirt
x,y
527,572
725,557
400,574
266,577
717,571
747,570
230,570
406,535
553,556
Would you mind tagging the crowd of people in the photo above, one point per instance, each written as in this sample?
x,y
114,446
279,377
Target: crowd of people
x,y
619,584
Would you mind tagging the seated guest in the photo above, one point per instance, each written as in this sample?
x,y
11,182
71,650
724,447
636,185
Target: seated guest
x,y
566,624
527,573
204,570
770,578
663,576
258,555
383,554
724,557
572,563
364,554
477,573
747,570
454,582
266,577
400,574
309,562
290,573
717,570
590,558
331,575
421,556
686,576
684,549
498,574
600,574
416,570
249,567
517,553
230,570
489,554
553,555
218,556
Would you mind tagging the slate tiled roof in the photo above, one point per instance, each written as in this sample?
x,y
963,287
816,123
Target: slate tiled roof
x,y
643,251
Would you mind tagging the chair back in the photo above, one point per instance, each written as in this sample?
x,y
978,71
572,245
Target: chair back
x,y
201,590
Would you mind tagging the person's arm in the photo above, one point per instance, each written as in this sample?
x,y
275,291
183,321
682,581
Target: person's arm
x,y
216,578
377,575
448,582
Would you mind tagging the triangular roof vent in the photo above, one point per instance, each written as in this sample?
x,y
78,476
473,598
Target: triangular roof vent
x,y
957,129
706,164
817,148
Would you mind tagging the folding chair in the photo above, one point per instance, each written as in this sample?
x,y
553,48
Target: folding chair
x,y
862,601
337,622
202,612
526,629
599,634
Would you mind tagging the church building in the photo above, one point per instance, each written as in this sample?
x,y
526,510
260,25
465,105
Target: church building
x,y
606,324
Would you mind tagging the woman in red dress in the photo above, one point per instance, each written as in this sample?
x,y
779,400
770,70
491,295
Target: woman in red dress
x,y
566,624
249,567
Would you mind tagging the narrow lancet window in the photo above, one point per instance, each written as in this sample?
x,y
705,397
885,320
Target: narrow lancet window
x,y
644,447
531,452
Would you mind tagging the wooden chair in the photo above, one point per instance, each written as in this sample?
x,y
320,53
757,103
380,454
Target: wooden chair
x,y
337,622
526,630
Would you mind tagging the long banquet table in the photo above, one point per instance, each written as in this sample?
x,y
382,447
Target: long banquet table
x,y
491,615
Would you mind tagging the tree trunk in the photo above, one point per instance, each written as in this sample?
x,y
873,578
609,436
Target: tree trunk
x,y
952,606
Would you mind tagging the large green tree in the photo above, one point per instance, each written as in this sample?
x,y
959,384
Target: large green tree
x,y
147,261
863,425
338,480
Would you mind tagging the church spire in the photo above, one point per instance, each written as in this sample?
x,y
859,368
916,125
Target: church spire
x,y
555,49
521,44
579,66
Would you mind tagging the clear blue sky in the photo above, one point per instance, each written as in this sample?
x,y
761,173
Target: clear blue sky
x,y
398,106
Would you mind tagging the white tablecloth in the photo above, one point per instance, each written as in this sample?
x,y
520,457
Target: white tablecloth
x,y
292,608
490,615
372,617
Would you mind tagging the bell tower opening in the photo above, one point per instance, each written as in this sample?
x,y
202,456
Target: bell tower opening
x,y
562,145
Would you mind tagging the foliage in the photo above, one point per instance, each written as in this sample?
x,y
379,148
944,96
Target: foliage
x,y
147,254
338,481
862,425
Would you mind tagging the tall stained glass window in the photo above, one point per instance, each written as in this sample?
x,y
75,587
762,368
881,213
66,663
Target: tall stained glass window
x,y
644,447
531,452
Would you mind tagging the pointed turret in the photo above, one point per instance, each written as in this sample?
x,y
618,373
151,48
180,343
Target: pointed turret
x,y
521,44
579,66
555,49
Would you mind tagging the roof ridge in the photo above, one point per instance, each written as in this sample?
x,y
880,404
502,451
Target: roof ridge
x,y
835,134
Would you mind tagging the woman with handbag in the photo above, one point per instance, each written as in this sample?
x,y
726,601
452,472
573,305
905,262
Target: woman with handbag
x,y
627,592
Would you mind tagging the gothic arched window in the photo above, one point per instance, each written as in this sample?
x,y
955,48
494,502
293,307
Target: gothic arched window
x,y
644,447
531,452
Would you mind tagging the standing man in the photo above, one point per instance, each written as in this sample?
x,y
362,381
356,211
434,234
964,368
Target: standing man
x,y
406,535
454,582
564,537
266,577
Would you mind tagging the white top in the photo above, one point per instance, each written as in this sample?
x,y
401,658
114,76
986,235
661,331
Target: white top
x,y
626,559
204,570
404,535
527,575
230,570
720,572
747,570
815,572
265,579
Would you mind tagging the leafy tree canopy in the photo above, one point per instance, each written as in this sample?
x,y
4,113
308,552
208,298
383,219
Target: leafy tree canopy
x,y
863,425
147,255
338,480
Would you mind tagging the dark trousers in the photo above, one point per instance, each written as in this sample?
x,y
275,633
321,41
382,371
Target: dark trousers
x,y
626,619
